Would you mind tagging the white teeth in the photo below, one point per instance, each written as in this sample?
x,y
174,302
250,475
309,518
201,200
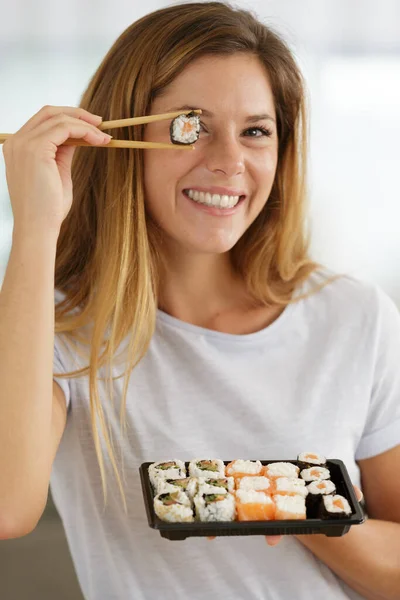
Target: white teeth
x,y
213,199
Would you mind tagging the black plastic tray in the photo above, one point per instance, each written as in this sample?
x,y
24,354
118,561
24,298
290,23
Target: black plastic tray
x,y
329,527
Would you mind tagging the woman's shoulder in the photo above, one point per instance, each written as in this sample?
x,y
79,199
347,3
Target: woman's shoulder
x,y
348,294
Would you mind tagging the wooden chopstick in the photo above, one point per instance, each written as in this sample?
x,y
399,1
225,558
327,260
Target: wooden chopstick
x,y
141,120
127,143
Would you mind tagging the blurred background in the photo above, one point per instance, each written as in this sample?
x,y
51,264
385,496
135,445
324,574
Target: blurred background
x,y
349,51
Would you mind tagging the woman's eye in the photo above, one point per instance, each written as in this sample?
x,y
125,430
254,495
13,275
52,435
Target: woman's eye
x,y
264,132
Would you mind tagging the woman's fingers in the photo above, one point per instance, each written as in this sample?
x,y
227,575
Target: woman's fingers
x,y
358,492
211,537
46,112
273,540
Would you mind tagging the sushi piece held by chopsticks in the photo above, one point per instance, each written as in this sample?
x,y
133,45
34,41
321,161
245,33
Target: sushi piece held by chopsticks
x,y
184,131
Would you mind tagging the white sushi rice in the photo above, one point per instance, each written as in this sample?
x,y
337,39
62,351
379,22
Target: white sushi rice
x,y
291,485
221,510
174,472
315,474
178,132
322,487
174,513
252,467
196,471
164,486
207,488
253,496
282,469
254,483
291,504
329,502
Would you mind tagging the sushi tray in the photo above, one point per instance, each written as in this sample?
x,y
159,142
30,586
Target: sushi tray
x,y
212,497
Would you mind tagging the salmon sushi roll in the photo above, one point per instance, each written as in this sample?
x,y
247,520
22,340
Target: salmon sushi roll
x,y
240,468
252,505
334,507
311,459
315,474
289,486
280,469
316,490
289,507
257,483
185,129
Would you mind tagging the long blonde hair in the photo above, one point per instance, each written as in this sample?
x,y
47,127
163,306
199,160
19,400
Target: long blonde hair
x,y
108,253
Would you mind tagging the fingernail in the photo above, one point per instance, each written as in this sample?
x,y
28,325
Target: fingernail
x,y
98,117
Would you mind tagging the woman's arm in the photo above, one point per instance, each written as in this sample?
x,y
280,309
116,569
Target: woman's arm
x,y
368,557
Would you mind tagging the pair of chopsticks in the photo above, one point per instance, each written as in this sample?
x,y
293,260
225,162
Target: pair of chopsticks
x,y
126,123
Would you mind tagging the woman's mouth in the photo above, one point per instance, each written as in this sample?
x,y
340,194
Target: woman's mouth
x,y
218,201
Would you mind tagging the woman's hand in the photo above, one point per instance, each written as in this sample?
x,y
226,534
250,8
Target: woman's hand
x,y
273,540
39,171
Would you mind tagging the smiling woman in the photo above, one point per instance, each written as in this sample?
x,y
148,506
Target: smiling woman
x,y
188,274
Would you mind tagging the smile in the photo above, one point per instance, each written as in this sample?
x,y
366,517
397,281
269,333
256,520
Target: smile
x,y
217,200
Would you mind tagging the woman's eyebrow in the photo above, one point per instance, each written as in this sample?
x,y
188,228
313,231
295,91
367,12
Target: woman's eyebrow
x,y
207,113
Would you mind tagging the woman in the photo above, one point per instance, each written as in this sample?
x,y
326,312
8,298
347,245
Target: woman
x,y
204,330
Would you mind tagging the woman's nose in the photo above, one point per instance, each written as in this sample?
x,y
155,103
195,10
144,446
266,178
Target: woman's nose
x,y
225,154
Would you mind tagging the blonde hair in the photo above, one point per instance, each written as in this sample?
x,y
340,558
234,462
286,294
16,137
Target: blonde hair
x,y
108,255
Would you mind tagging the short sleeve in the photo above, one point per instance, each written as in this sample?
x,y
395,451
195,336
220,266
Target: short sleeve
x,y
382,427
59,366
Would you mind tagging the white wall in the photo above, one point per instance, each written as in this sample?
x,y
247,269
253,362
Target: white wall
x,y
350,53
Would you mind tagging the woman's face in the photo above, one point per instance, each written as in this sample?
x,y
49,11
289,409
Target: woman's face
x,y
233,156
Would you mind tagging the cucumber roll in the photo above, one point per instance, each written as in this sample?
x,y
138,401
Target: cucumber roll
x,y
215,507
334,507
185,129
214,486
315,474
171,469
208,468
174,507
188,485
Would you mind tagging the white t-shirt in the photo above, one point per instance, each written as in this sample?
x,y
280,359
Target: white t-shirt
x,y
323,377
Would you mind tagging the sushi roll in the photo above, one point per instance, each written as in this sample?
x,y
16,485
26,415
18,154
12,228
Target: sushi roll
x,y
208,468
215,507
290,486
289,507
310,459
317,489
257,483
240,468
252,505
281,469
213,486
315,474
334,507
171,469
185,129
174,507
188,485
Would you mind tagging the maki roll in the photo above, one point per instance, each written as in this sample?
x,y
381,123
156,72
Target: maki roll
x,y
281,469
185,129
315,474
214,486
208,468
317,489
215,507
171,469
254,506
310,459
174,507
240,468
289,507
187,485
290,486
256,483
334,507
